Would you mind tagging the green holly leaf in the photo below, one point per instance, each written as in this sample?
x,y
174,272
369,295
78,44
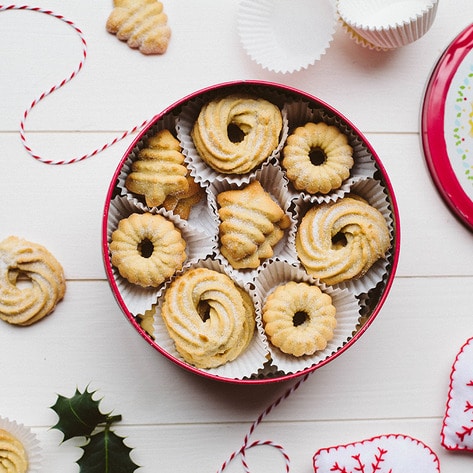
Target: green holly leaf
x,y
78,415
106,452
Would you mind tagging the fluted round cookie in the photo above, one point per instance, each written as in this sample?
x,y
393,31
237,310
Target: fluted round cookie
x,y
13,457
341,240
147,249
28,303
236,133
317,158
210,319
299,318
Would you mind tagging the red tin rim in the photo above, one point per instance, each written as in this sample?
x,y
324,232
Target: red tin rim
x,y
353,339
433,127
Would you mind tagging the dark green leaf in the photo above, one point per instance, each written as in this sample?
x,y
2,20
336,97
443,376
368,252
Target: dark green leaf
x,y
78,415
106,452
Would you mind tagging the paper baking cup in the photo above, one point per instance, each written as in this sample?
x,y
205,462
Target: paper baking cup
x,y
28,439
372,191
273,181
299,113
247,364
200,170
139,299
286,35
347,314
387,24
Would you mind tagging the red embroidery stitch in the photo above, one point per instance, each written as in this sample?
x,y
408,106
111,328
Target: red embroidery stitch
x,y
375,466
466,431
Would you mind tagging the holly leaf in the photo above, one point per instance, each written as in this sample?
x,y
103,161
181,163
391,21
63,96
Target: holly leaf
x,y
78,415
106,452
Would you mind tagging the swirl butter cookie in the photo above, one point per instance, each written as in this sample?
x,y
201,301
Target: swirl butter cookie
x,y
13,457
209,317
44,287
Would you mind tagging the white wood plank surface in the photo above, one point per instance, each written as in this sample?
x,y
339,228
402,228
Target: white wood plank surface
x,y
393,380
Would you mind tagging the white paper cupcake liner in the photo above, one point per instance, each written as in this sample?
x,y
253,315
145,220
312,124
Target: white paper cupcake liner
x,y
246,364
198,245
277,273
200,170
28,439
373,192
387,25
298,114
274,182
285,36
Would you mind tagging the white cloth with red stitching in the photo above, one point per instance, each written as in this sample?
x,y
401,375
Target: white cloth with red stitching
x,y
457,427
394,453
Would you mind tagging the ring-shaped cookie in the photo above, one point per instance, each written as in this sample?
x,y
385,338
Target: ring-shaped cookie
x,y
256,124
341,240
299,318
210,319
147,249
44,285
317,158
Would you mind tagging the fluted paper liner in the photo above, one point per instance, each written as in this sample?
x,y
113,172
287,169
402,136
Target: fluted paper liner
x,y
373,192
277,273
387,25
198,245
285,37
273,181
246,364
299,113
200,170
28,439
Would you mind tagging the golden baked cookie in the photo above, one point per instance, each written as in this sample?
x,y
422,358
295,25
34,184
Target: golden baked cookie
x,y
251,224
317,158
299,318
159,170
236,133
45,285
210,319
13,457
339,241
147,249
141,23
181,203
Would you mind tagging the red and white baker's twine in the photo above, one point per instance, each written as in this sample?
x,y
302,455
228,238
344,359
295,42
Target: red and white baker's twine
x,y
241,452
58,86
246,445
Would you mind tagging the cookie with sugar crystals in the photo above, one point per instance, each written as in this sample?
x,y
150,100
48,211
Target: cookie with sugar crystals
x,y
142,24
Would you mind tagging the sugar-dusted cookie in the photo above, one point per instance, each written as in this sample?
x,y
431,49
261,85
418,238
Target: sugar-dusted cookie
x,y
147,249
209,317
317,158
20,258
299,318
13,457
141,23
341,240
181,203
159,170
235,134
252,223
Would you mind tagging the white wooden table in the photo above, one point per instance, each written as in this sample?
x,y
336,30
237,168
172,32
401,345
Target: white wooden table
x,y
393,380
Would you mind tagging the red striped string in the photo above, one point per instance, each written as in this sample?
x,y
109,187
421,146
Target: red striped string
x,y
60,84
246,442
